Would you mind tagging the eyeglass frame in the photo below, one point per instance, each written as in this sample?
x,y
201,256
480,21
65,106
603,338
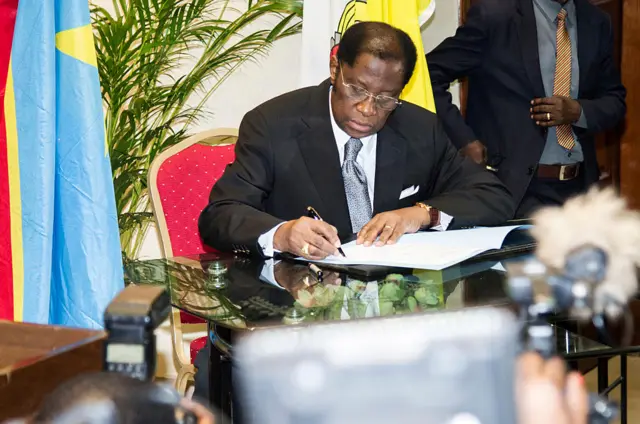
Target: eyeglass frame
x,y
368,94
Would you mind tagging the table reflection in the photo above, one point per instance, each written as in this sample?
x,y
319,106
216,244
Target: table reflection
x,y
240,293
339,297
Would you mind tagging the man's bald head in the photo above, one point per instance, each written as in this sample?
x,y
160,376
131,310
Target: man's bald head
x,y
379,40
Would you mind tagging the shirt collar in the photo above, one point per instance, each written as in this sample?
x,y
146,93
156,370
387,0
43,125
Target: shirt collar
x,y
551,8
342,137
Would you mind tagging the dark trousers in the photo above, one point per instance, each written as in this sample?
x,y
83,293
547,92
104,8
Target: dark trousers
x,y
201,383
213,383
544,192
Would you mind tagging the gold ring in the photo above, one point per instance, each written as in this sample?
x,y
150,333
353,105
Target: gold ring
x,y
388,226
305,249
548,116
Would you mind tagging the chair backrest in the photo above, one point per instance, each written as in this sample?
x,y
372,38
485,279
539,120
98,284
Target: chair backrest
x,y
180,180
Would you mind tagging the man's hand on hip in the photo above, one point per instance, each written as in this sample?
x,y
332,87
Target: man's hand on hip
x,y
306,237
476,151
554,111
388,227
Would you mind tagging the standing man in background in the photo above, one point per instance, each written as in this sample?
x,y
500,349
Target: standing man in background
x,y
542,82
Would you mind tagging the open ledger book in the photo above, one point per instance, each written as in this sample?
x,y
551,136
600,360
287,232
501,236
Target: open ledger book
x,y
433,250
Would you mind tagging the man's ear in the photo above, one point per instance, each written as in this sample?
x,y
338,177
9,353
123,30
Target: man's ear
x,y
333,69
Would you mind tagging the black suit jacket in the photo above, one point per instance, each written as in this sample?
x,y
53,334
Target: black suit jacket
x,y
497,49
287,159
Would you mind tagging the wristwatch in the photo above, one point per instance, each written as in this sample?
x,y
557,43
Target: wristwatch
x,y
434,214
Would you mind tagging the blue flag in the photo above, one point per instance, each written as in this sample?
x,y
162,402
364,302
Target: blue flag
x,y
67,263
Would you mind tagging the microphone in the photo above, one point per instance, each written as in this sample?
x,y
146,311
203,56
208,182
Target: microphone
x,y
592,241
587,255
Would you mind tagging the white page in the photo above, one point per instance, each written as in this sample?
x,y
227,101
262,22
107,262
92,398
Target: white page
x,y
426,250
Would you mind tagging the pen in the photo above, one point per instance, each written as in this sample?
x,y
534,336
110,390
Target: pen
x,y
311,213
317,271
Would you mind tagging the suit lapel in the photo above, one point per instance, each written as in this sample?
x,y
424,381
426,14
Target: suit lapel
x,y
587,39
390,168
320,154
528,36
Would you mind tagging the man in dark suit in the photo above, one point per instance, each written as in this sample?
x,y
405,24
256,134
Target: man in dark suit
x,y
368,163
542,82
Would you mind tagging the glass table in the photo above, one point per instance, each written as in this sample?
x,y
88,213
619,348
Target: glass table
x,y
237,294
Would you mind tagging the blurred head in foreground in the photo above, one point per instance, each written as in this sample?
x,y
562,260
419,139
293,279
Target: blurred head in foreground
x,y
105,398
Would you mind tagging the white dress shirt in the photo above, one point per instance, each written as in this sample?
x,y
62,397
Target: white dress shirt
x,y
366,159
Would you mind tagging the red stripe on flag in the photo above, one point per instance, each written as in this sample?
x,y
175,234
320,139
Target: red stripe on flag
x,y
8,12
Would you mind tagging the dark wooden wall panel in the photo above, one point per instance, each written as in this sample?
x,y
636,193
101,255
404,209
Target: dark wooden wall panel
x,y
608,144
630,143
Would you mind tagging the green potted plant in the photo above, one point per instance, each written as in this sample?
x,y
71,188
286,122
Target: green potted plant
x,y
153,57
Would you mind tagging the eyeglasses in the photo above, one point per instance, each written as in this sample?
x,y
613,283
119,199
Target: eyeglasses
x,y
359,94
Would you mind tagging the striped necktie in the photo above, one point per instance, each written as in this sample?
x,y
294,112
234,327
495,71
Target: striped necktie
x,y
355,186
562,79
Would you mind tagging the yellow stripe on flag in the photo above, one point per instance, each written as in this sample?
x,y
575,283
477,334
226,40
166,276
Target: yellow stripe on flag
x,y
78,43
405,15
15,201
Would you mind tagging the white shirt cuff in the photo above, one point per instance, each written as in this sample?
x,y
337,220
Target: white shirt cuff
x,y
267,273
265,241
445,220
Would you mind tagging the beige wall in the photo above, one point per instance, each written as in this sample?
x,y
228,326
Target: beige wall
x,y
443,23
255,83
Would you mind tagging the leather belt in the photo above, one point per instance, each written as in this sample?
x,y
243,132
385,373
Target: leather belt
x,y
558,172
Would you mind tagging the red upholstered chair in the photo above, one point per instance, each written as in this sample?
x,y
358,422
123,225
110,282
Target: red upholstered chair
x,y
180,180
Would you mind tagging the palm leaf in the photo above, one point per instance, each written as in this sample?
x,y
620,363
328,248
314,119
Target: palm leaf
x,y
142,47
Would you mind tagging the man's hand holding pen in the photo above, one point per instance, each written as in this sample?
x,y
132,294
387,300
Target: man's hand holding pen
x,y
307,237
312,238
